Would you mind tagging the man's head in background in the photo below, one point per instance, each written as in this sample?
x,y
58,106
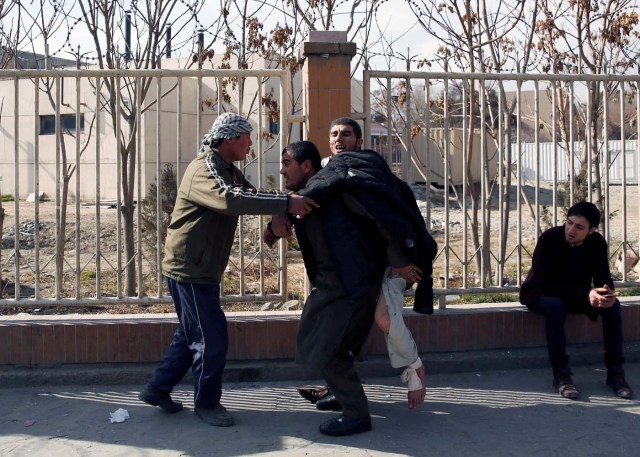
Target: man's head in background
x,y
345,134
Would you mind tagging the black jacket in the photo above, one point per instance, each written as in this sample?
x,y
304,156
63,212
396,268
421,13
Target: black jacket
x,y
567,272
363,178
355,247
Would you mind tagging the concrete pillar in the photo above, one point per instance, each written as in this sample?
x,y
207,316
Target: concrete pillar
x,y
327,83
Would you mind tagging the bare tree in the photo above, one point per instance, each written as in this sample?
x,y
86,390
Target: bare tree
x,y
588,37
43,27
482,37
10,36
247,42
142,26
357,18
10,39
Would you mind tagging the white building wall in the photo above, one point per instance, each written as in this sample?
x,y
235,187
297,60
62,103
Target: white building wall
x,y
169,150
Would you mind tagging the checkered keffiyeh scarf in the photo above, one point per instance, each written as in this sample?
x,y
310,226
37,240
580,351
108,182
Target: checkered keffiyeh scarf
x,y
228,125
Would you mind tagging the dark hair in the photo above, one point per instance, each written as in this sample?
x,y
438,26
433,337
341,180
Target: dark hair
x,y
587,210
348,121
217,142
304,150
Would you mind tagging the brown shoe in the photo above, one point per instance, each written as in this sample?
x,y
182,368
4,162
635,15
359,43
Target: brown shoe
x,y
565,386
313,395
616,380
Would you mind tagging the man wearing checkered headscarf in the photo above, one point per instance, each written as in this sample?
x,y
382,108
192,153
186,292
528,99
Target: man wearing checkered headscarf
x,y
212,195
226,126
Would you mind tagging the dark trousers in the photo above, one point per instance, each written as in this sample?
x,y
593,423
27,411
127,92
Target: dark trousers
x,y
554,311
340,372
200,342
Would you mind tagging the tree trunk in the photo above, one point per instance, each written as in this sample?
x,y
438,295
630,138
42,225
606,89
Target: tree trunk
x,y
595,158
472,191
128,174
61,217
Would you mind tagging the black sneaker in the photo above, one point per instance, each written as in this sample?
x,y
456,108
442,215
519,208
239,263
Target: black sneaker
x,y
216,416
565,386
328,404
343,426
155,397
616,380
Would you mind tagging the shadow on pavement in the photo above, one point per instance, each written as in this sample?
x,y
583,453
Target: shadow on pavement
x,y
490,413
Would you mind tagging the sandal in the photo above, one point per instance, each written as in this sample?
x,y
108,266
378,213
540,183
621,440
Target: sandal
x,y
313,395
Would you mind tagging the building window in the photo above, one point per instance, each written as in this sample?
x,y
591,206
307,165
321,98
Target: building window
x,y
68,121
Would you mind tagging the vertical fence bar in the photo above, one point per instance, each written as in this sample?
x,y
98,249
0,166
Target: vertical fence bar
x,y
536,103
572,154
179,95
59,270
78,271
366,108
159,190
588,144
179,132
519,177
261,160
98,140
623,151
199,103
36,185
240,229
446,140
16,185
484,247
389,125
121,142
284,118
637,95
605,160
501,185
429,151
406,163
465,156
138,254
554,142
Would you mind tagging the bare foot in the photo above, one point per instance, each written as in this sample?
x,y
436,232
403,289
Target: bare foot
x,y
416,397
382,314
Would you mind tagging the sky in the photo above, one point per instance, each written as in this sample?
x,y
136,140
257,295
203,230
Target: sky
x,y
394,17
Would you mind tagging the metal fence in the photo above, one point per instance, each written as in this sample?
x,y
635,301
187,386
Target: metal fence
x,y
66,137
493,159
499,157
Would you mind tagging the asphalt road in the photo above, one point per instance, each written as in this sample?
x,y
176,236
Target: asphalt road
x,y
483,413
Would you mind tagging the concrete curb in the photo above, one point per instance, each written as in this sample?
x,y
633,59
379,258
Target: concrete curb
x,y
287,370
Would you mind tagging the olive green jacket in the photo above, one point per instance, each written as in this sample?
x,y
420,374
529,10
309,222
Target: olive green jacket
x,y
211,196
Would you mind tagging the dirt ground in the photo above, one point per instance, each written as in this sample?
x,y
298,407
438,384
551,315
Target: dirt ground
x,y
86,262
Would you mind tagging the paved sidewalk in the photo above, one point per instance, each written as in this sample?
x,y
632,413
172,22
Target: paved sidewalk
x,y
485,413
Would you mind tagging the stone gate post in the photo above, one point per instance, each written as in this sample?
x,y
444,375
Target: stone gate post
x,y
326,83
